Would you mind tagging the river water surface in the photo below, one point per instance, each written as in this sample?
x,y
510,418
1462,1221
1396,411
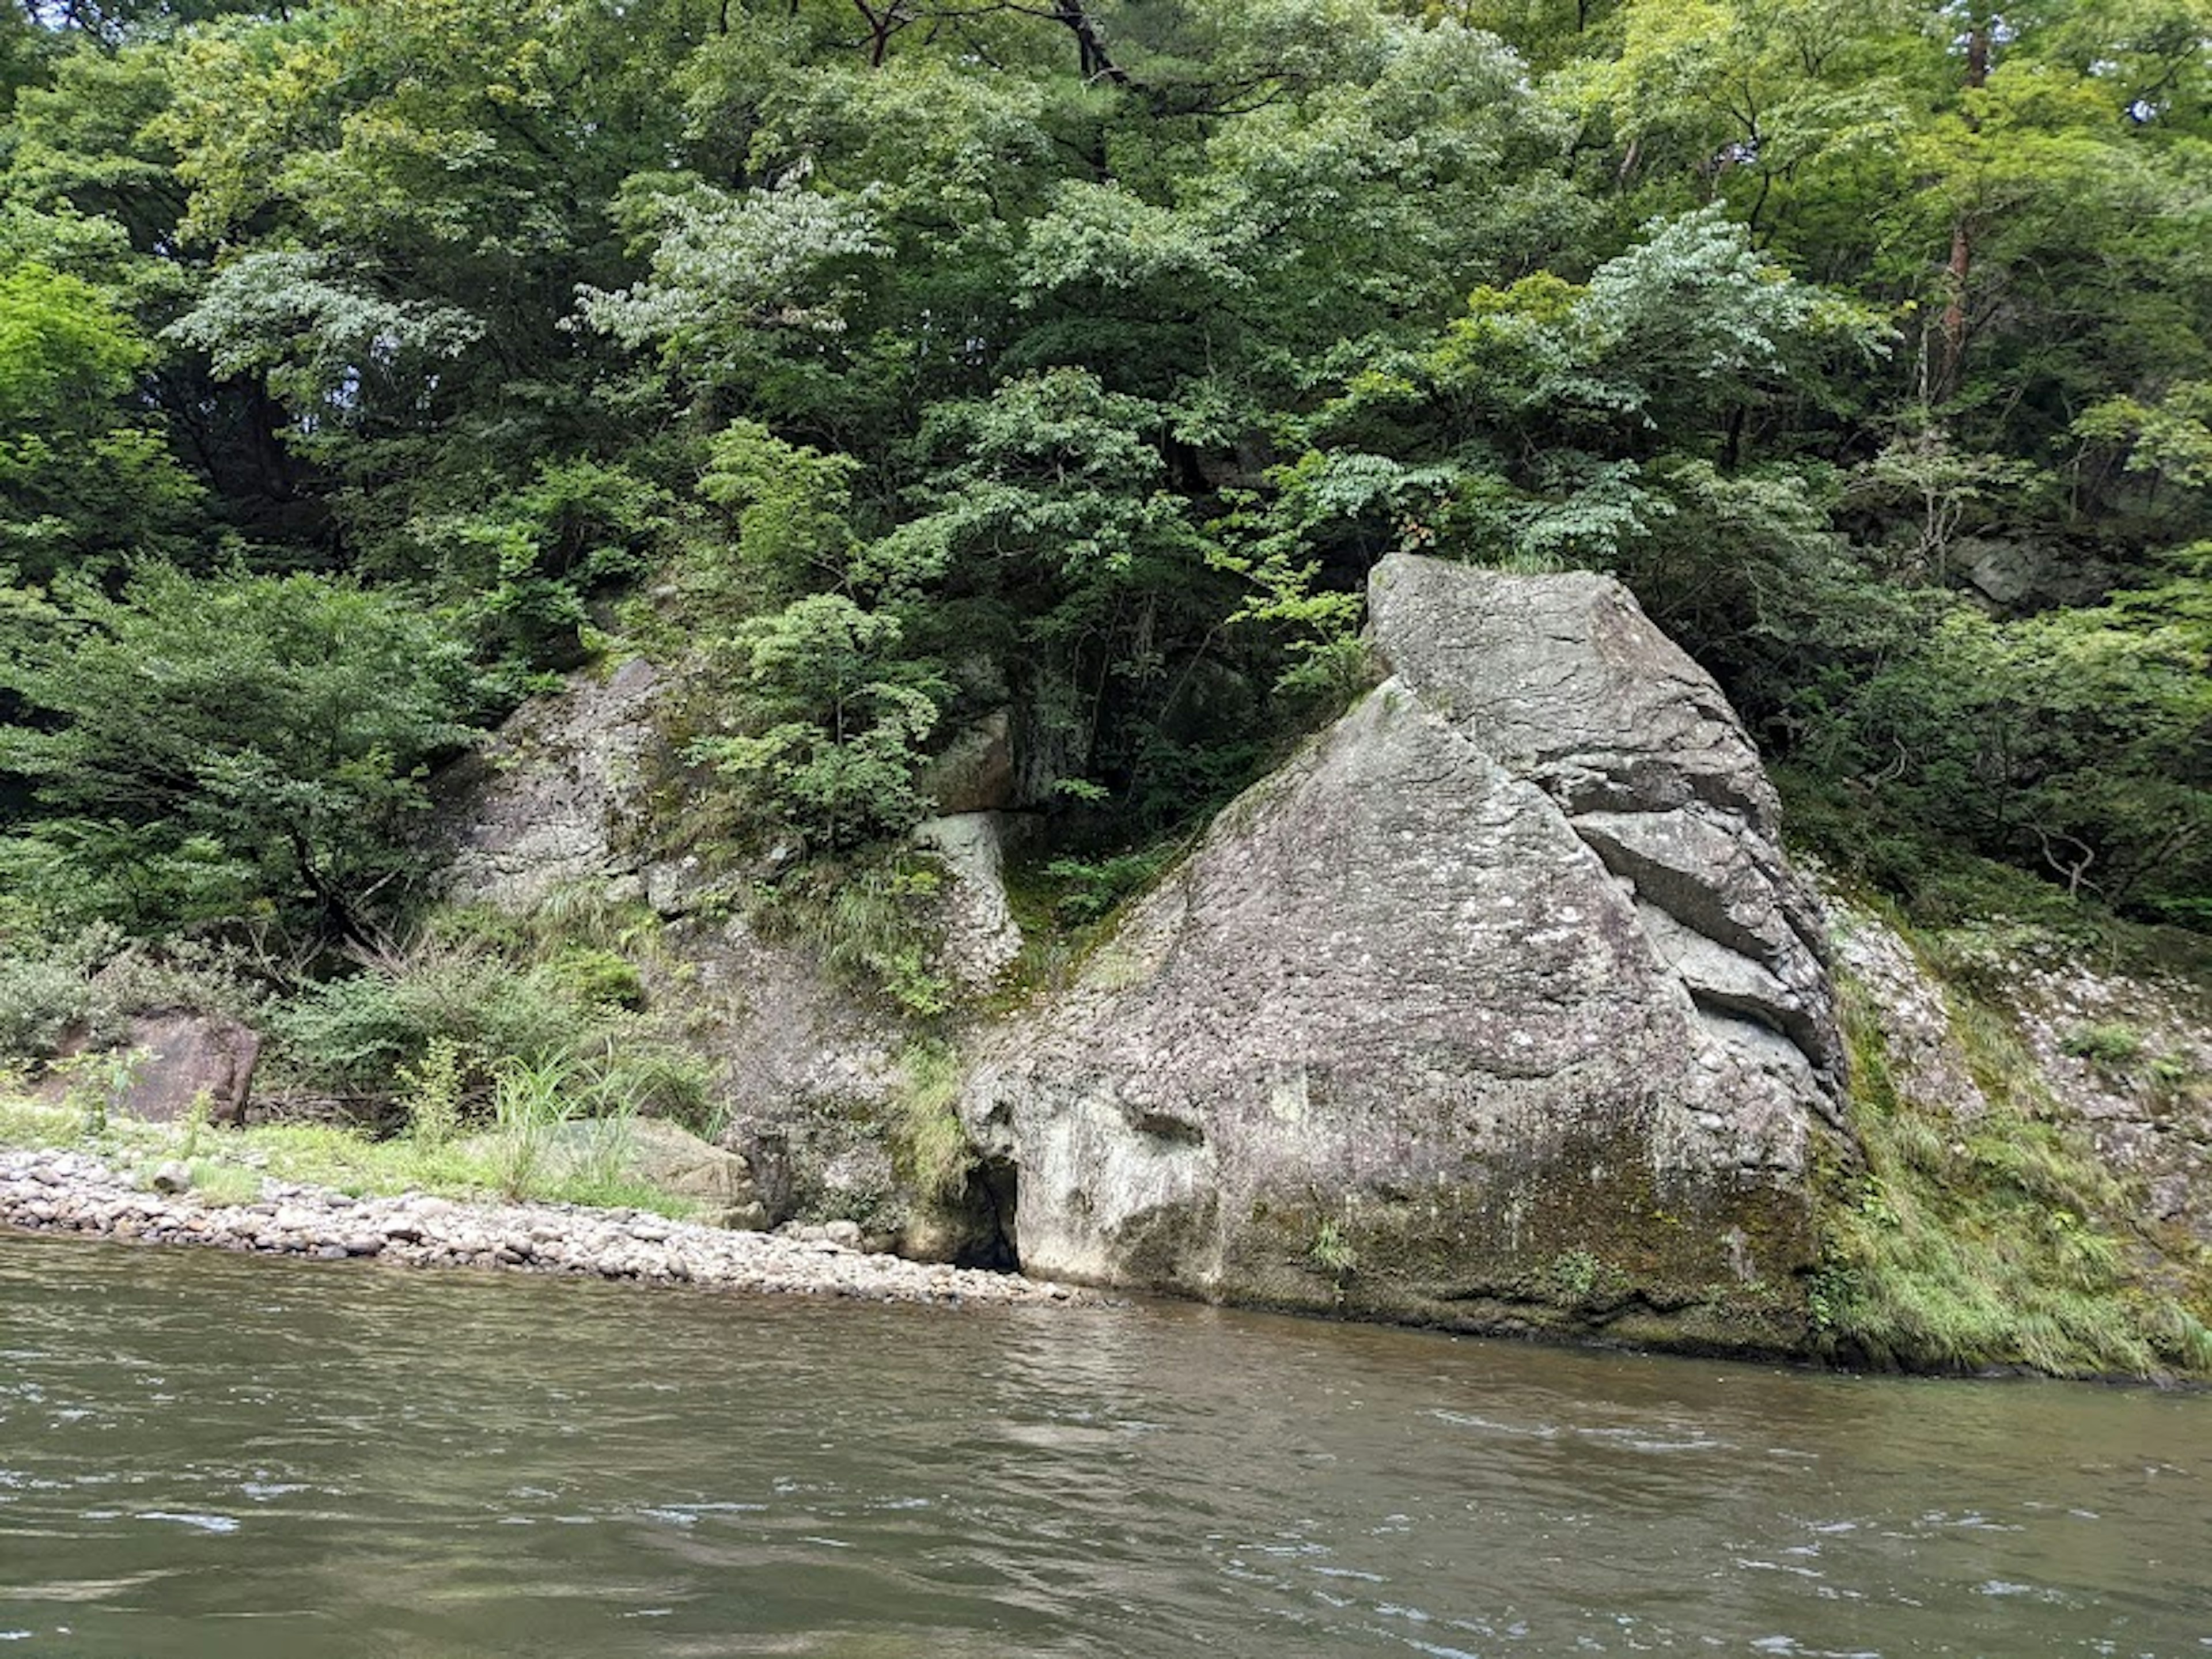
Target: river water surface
x,y
241,1458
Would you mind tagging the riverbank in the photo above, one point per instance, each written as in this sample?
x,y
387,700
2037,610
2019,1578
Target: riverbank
x,y
56,1190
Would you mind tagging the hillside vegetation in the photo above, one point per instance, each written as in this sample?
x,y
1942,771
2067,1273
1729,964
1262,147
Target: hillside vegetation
x,y
877,367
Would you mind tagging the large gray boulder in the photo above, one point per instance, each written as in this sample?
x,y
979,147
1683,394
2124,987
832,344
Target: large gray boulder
x,y
1497,1007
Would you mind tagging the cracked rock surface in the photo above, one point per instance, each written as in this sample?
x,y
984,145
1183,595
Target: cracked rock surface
x,y
1497,1007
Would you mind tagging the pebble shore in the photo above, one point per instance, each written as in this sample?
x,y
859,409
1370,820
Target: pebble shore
x,y
54,1191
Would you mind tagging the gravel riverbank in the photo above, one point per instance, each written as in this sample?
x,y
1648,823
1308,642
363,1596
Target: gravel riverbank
x,y
54,1191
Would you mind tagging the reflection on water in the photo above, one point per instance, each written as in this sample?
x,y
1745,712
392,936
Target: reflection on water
x,y
209,1455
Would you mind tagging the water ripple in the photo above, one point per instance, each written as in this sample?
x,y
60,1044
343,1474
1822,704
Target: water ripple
x,y
283,1460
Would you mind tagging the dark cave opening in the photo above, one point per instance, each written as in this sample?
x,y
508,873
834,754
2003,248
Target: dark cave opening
x,y
993,1188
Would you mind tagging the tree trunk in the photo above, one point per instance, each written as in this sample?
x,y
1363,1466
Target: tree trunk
x,y
1097,64
1961,266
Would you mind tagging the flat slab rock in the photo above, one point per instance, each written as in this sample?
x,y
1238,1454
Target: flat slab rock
x,y
1498,1007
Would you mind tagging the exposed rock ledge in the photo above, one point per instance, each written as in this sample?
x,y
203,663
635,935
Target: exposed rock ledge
x,y
72,1192
1498,1007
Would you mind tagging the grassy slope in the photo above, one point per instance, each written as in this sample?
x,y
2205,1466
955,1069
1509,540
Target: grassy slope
x,y
2001,1241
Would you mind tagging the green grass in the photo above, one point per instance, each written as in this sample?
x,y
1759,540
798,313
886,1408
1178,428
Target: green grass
x,y
227,1164
929,1145
2109,1044
2002,1241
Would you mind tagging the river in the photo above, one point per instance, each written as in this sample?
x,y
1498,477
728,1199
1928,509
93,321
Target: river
x,y
241,1458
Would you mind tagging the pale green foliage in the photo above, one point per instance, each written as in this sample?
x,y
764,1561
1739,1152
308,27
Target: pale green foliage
x,y
435,1087
2170,436
83,985
315,334
1105,236
930,1147
789,503
1692,319
46,995
1783,90
1331,1251
82,479
1053,474
725,265
1927,476
64,354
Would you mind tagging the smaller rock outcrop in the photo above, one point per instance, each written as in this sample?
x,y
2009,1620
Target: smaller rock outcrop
x,y
169,1063
2122,1059
557,795
565,796
185,1056
981,939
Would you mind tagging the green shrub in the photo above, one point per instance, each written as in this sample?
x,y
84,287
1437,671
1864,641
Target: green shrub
x,y
1331,1251
85,985
357,1034
2111,1042
436,1089
219,746
44,998
1090,889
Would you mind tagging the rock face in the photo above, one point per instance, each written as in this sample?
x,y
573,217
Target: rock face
x,y
981,939
567,795
547,802
2122,1059
1497,1007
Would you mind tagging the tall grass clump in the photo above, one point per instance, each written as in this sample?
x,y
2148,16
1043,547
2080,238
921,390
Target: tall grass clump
x,y
929,1147
423,1033
875,924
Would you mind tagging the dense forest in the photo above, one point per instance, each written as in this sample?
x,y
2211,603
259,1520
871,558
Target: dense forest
x,y
874,365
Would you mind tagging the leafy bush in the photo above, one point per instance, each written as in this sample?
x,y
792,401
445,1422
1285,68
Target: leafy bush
x,y
1090,888
837,715
45,995
357,1034
597,977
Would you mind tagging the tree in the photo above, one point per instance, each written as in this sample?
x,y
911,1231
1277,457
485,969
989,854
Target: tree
x,y
840,718
198,744
84,479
